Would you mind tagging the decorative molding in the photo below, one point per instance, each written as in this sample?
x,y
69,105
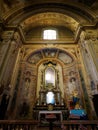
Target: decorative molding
x,y
89,35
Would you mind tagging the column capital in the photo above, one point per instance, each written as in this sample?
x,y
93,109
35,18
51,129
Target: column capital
x,y
7,35
17,39
89,35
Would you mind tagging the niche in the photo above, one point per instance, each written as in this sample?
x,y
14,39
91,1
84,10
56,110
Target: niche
x,y
50,98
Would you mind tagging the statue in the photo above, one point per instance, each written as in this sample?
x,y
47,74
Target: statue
x,y
75,97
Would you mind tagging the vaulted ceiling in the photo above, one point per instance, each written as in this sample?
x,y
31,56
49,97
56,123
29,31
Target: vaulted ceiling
x,y
71,14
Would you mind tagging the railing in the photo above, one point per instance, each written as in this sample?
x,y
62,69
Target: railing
x,y
18,124
80,125
34,125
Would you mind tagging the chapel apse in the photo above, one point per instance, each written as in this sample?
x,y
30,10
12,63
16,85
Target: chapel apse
x,y
34,66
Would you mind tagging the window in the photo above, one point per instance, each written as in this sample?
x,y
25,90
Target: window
x,y
49,34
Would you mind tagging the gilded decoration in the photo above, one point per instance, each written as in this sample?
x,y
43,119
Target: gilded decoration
x,y
26,58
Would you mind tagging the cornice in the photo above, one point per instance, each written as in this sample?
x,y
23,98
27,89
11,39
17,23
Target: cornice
x,y
84,28
67,41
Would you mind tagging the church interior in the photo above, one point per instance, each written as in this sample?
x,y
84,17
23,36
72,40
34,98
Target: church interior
x,y
48,59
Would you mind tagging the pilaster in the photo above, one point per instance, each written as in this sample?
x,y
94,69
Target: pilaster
x,y
4,49
89,63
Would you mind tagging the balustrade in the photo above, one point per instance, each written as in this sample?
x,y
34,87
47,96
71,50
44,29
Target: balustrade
x,y
35,125
18,124
80,125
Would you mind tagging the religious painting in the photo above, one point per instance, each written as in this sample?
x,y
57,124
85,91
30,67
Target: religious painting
x,y
27,85
50,52
65,57
50,98
72,85
71,73
49,77
35,58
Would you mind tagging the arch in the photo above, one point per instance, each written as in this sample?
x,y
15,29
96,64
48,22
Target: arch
x,y
50,58
48,6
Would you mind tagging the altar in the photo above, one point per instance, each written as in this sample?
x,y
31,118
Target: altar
x,y
43,114
79,114
50,98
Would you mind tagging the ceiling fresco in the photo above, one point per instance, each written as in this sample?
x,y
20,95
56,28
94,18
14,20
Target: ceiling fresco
x,y
28,14
50,19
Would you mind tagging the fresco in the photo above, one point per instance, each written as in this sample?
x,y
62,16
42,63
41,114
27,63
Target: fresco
x,y
50,52
65,58
35,58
